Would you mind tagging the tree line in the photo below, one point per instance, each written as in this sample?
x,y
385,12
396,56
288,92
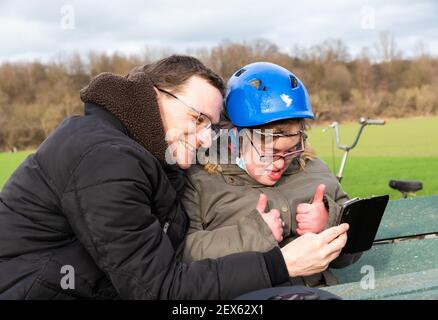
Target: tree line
x,y
35,97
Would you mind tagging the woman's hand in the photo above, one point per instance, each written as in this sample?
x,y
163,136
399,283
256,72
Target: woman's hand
x,y
272,218
312,217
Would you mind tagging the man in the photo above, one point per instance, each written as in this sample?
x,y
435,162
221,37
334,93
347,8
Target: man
x,y
99,201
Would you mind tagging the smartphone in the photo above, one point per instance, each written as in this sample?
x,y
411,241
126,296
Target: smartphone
x,y
364,216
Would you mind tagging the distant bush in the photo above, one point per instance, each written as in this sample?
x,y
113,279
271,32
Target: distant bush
x,y
35,97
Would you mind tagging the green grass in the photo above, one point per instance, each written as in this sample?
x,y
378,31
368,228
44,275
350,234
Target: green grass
x,y
9,162
413,137
364,176
401,149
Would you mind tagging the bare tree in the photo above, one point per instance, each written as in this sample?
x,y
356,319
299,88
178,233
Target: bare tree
x,y
35,97
386,48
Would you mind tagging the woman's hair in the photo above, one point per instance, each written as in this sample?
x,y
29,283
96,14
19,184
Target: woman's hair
x,y
281,126
171,73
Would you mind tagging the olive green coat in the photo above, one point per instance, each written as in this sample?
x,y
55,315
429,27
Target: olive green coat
x,y
223,218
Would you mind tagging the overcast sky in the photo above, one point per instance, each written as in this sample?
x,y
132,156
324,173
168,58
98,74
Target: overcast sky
x,y
44,29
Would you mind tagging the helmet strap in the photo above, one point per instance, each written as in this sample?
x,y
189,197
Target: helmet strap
x,y
235,141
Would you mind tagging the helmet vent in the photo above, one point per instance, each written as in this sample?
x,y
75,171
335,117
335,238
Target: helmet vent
x,y
238,73
293,82
256,83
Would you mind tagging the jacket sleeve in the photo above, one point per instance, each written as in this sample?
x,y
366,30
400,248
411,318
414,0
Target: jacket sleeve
x,y
109,203
250,233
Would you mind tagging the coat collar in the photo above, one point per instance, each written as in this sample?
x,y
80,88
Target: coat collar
x,y
132,100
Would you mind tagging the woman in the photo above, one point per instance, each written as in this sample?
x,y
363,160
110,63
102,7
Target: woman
x,y
268,106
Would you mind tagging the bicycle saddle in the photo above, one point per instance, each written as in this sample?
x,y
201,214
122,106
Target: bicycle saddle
x,y
406,185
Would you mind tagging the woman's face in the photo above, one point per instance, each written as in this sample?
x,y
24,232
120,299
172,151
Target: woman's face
x,y
269,171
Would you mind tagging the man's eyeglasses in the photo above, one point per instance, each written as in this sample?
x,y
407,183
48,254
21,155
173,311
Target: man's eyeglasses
x,y
295,152
203,122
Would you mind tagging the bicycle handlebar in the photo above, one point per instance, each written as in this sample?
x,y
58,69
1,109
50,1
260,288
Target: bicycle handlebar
x,y
363,122
371,121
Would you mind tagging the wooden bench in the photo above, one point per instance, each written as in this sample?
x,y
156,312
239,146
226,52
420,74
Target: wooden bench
x,y
404,259
409,217
413,286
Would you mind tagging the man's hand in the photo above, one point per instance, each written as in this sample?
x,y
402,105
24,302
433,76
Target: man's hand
x,y
312,253
312,217
272,218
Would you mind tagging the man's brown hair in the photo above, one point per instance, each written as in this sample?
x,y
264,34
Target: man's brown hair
x,y
172,72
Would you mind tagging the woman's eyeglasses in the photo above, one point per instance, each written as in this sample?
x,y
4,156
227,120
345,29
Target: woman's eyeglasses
x,y
294,152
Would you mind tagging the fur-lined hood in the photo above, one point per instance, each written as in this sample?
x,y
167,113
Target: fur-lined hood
x,y
132,100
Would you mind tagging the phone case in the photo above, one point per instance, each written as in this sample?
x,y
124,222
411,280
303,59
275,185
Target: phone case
x,y
363,216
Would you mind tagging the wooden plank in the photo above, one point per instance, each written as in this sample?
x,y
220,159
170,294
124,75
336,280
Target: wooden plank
x,y
409,217
392,259
413,286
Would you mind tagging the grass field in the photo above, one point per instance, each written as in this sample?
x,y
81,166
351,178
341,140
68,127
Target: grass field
x,y
9,162
401,149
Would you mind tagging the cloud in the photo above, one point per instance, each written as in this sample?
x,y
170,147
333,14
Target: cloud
x,y
37,29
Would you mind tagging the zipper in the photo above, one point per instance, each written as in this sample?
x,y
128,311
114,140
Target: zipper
x,y
166,226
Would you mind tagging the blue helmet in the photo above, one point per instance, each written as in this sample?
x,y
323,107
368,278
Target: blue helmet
x,y
264,92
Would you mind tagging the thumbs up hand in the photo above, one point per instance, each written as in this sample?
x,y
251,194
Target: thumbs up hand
x,y
312,217
272,218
